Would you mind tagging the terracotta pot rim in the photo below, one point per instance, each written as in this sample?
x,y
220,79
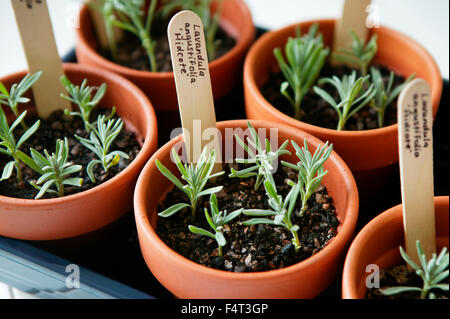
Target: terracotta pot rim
x,y
150,139
247,36
343,235
353,253
249,80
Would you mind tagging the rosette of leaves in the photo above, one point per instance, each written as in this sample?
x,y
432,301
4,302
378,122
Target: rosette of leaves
x,y
203,9
310,169
196,175
432,272
261,158
358,53
282,210
82,97
305,57
352,95
385,95
10,147
100,140
54,169
217,220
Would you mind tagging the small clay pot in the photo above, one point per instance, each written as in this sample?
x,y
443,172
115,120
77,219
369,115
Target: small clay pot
x,y
370,154
225,71
187,279
378,243
73,215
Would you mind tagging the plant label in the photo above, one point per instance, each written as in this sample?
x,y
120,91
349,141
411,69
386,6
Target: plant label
x,y
193,84
415,138
39,44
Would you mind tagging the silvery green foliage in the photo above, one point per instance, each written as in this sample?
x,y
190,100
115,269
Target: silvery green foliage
x,y
16,94
352,95
310,169
282,210
100,140
261,157
359,53
196,175
385,95
54,169
130,16
305,55
433,272
82,96
217,220
10,147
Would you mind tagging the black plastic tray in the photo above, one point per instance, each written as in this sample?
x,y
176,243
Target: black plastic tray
x,y
110,258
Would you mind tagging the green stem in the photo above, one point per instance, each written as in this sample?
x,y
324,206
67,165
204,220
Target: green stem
x,y
295,240
341,123
19,173
148,46
380,118
220,251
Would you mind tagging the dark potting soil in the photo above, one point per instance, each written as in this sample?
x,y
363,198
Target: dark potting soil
x,y
58,126
131,54
401,276
249,248
317,112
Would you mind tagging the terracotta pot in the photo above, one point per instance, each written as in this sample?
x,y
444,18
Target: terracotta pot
x,y
73,215
225,71
363,151
378,243
187,279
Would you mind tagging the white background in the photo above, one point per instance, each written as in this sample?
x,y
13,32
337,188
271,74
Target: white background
x,y
427,21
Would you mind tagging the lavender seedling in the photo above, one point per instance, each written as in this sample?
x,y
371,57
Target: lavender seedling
x,y
132,18
352,95
310,169
10,147
262,158
15,94
202,9
359,53
54,170
432,272
217,220
196,176
100,141
106,8
82,96
282,210
384,95
305,58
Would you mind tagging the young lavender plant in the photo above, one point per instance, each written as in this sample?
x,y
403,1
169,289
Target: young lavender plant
x,y
100,141
10,147
305,58
262,158
217,220
203,9
310,169
82,96
106,8
54,170
352,96
132,18
196,176
359,53
432,272
15,94
384,95
282,210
